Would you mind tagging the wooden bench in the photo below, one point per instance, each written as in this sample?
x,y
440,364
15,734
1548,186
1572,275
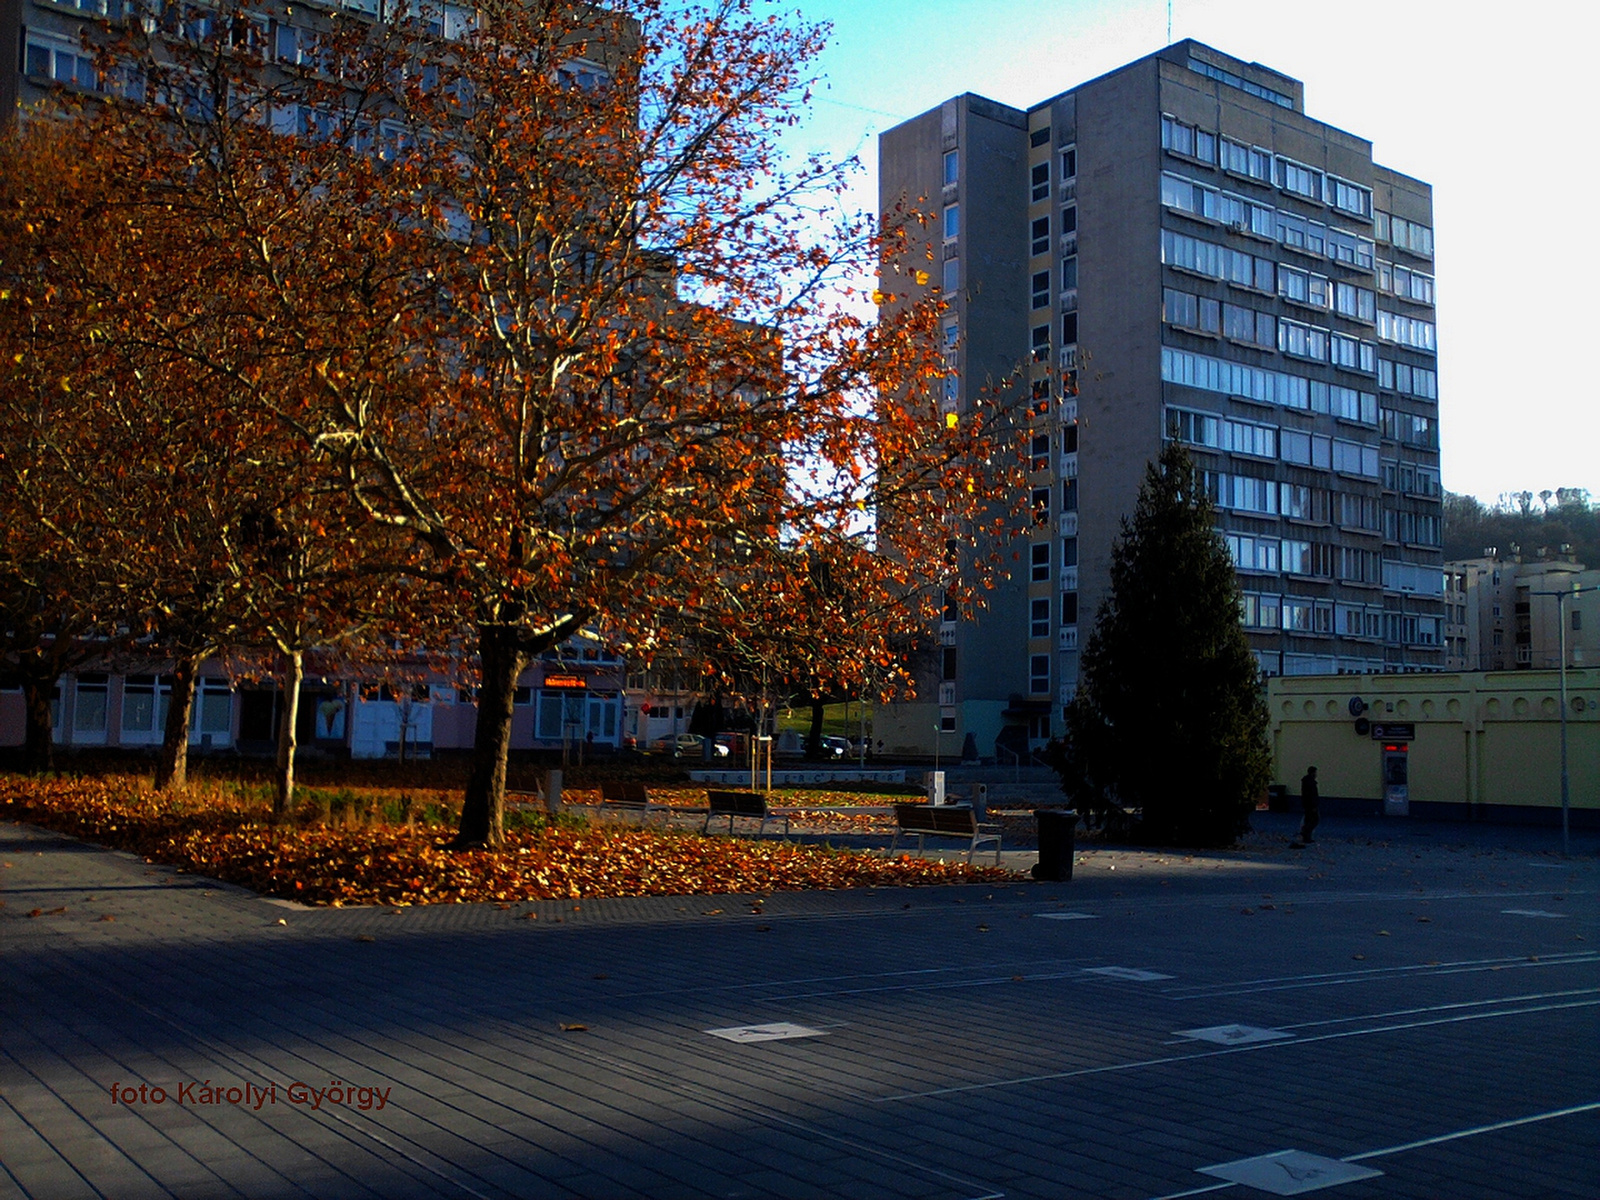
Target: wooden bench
x,y
944,820
752,805
631,797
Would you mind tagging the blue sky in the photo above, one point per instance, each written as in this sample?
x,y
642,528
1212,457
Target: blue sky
x,y
1488,110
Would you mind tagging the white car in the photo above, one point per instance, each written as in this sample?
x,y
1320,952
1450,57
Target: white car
x,y
687,745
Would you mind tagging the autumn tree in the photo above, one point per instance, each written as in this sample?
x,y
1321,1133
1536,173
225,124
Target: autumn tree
x,y
192,520
52,591
1169,718
539,294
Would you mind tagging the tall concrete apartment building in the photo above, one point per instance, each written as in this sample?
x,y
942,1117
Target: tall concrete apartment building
x,y
1176,249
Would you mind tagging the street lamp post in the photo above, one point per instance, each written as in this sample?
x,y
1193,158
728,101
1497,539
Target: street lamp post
x,y
1561,643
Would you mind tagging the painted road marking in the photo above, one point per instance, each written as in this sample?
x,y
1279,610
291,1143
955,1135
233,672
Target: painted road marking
x,y
1069,916
1289,1172
1457,1135
1233,1035
1133,973
776,1032
1108,1068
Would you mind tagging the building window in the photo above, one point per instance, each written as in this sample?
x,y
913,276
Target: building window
x,y
1249,161
952,276
952,166
1039,137
1041,452
952,222
1299,179
1040,343
1041,506
1038,674
1069,274
947,722
1041,562
145,701
1259,612
89,708
57,59
1040,233
1039,618
1577,620
1069,552
1069,495
948,665
1069,608
1188,311
1039,179
1069,163
560,716
1069,329
1347,196
1069,219
1041,289
213,710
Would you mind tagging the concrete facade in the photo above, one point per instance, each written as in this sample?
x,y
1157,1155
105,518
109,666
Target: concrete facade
x,y
558,701
1477,746
1114,242
1511,616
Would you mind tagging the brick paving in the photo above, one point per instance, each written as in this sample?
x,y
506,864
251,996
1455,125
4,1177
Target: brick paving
x,y
1437,989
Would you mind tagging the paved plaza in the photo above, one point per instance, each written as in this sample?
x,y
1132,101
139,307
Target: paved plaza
x,y
1398,1011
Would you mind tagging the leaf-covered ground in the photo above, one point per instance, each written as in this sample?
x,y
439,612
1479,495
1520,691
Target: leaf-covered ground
x,y
229,838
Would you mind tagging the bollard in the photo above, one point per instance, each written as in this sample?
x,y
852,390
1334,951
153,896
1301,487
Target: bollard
x,y
1058,830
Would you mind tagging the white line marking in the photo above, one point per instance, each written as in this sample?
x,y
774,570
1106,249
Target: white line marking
x,y
1175,1058
1135,974
1068,916
1532,912
1282,983
988,981
1419,1144
1475,1131
1411,1012
1199,1191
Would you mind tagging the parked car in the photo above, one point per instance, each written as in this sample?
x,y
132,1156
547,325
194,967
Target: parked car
x,y
835,747
686,745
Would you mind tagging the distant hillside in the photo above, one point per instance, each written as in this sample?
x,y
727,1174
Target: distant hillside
x,y
1547,520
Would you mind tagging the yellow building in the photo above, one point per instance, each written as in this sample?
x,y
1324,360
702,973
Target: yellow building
x,y
1470,746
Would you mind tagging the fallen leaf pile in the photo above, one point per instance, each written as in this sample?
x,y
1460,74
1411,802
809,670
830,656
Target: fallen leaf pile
x,y
227,840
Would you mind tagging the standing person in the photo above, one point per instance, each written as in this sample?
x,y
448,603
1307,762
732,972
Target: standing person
x,y
1308,803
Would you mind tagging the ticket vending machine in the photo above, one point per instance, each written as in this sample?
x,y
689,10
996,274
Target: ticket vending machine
x,y
1396,785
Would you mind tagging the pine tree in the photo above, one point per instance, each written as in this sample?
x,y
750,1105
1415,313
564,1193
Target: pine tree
x,y
1169,719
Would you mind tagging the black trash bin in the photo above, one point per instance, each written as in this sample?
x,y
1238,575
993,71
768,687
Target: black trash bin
x,y
1058,840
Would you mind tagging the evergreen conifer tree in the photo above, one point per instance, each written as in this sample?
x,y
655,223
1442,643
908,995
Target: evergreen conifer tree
x,y
1169,717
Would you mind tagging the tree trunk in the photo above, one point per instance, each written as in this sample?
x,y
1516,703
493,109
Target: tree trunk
x,y
483,808
283,796
38,747
172,767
